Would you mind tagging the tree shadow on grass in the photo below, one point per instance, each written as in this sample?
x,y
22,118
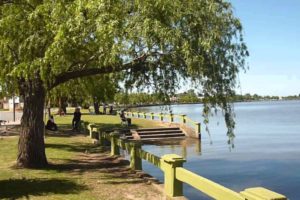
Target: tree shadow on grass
x,y
116,169
18,188
75,147
90,163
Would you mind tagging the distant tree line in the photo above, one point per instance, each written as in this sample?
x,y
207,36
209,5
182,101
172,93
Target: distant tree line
x,y
248,97
190,96
291,97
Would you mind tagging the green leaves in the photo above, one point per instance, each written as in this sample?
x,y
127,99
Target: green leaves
x,y
153,43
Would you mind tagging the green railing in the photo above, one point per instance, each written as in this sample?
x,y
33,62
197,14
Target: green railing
x,y
174,173
182,119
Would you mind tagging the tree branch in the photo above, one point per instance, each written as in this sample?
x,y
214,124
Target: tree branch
x,y
14,54
66,76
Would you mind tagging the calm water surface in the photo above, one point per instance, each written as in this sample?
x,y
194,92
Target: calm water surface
x,y
266,152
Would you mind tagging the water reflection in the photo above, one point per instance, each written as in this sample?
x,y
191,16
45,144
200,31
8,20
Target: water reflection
x,y
266,152
179,147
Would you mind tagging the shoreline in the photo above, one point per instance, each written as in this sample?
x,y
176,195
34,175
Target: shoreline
x,y
161,104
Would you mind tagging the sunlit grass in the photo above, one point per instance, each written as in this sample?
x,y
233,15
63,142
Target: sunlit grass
x,y
106,121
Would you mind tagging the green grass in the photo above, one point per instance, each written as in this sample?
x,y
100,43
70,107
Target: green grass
x,y
106,121
77,169
50,182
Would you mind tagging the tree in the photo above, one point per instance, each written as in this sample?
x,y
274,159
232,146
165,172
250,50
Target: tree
x,y
188,97
100,89
153,43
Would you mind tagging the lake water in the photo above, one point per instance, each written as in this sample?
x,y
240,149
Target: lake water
x,y
266,151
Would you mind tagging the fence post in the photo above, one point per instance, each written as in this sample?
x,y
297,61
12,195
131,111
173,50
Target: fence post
x,y
90,128
152,116
94,133
197,127
161,116
171,118
114,136
173,187
101,138
135,160
183,119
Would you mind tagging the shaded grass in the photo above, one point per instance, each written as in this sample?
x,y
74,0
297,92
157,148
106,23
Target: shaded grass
x,y
37,184
17,188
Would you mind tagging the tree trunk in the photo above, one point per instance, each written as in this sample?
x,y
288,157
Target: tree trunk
x,y
96,108
49,108
31,142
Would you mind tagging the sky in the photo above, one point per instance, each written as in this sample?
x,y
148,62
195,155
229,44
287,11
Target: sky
x,y
272,34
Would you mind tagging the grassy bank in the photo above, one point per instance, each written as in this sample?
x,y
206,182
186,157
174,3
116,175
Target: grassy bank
x,y
106,121
77,169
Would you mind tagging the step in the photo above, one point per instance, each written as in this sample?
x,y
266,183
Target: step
x,y
161,138
163,135
159,132
156,129
164,138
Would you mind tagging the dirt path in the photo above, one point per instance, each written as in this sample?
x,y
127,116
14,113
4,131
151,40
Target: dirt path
x,y
110,178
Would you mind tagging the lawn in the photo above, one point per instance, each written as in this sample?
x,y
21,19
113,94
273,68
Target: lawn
x,y
106,121
77,168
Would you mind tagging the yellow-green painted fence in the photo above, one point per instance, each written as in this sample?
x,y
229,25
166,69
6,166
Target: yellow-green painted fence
x,y
183,119
174,173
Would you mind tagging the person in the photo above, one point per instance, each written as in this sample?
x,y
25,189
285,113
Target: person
x,y
76,119
125,120
111,109
51,124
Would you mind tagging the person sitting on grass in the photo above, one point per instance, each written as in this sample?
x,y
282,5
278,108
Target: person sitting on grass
x,y
124,120
76,119
51,124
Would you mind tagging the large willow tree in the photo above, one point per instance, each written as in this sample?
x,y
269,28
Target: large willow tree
x,y
44,43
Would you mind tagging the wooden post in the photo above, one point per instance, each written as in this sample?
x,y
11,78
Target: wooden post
x,y
135,160
197,128
90,128
94,133
152,116
173,187
114,136
161,117
101,138
145,116
171,118
183,119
